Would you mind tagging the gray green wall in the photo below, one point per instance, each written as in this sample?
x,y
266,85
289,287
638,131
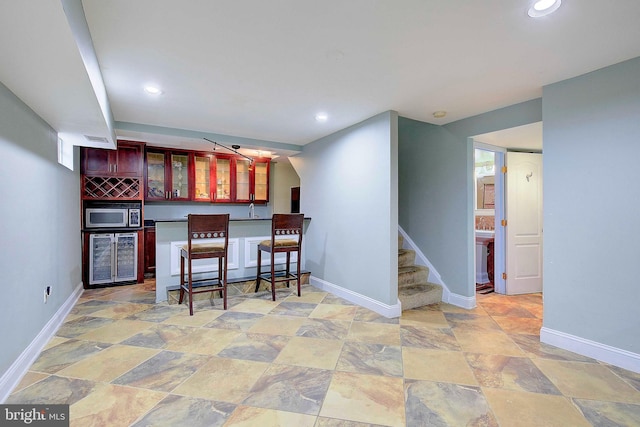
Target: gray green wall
x,y
348,183
591,132
39,227
592,206
433,200
436,188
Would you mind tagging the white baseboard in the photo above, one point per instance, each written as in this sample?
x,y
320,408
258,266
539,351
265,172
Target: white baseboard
x,y
11,378
460,300
434,277
389,311
605,353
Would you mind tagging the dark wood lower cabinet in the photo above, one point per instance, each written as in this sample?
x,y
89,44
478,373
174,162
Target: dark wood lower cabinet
x,y
490,261
150,251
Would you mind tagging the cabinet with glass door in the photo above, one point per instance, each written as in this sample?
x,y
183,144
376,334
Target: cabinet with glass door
x,y
243,180
203,177
260,181
168,175
223,174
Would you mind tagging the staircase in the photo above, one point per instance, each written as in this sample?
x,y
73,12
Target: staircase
x,y
414,289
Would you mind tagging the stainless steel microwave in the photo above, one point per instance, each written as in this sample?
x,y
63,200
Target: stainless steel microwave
x,y
112,217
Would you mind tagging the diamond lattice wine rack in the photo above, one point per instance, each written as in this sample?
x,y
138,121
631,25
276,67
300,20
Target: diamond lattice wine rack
x,y
97,187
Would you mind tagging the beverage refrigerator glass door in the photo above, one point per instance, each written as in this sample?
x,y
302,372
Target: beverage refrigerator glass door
x,y
113,257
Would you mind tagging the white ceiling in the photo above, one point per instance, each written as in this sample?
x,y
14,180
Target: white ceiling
x,y
262,69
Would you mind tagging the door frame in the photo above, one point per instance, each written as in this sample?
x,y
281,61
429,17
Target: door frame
x,y
499,245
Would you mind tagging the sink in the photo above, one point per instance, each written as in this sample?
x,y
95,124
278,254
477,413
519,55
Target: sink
x,y
485,234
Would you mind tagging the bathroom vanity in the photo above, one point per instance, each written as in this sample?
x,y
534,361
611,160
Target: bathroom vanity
x,y
483,238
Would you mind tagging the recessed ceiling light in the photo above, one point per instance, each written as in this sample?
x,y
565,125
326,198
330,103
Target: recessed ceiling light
x,y
439,114
322,117
543,8
152,90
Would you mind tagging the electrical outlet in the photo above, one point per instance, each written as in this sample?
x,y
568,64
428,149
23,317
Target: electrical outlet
x,y
47,293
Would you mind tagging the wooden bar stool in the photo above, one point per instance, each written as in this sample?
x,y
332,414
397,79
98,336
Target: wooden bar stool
x,y
286,236
204,228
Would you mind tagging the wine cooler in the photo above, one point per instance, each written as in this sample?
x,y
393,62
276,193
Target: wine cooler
x,y
113,257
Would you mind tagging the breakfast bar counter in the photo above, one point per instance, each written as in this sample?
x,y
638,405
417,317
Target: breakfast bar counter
x,y
244,236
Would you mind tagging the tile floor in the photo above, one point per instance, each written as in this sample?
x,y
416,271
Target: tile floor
x,y
120,360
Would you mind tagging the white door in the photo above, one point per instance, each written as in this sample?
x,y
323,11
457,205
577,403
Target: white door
x,y
524,223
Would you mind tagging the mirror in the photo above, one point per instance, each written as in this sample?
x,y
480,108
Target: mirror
x,y
485,172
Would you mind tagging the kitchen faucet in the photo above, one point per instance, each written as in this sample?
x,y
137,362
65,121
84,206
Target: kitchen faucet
x,y
251,210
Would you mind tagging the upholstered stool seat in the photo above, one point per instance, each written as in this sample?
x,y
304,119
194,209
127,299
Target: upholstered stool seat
x,y
201,230
286,236
280,243
203,248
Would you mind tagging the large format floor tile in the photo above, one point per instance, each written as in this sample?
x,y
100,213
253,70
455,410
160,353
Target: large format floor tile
x,y
436,403
365,398
519,408
318,360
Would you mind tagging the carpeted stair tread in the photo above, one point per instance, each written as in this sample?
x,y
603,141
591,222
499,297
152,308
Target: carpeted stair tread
x,y
412,274
406,257
414,288
418,295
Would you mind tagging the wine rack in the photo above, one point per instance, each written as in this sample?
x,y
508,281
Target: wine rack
x,y
97,187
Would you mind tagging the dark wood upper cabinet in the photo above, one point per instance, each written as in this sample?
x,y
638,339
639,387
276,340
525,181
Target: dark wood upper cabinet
x,y
168,175
126,160
171,175
112,174
224,185
240,180
203,177
260,180
243,177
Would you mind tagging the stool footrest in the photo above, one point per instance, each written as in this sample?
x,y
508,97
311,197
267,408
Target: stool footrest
x,y
280,276
210,285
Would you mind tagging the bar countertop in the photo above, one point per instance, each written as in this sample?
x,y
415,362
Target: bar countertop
x,y
184,219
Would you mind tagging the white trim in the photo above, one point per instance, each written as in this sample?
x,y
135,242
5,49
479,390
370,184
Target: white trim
x,y
499,214
460,300
605,353
204,265
251,253
389,311
12,377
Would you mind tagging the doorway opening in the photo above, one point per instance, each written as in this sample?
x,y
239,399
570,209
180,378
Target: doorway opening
x,y
488,214
508,209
